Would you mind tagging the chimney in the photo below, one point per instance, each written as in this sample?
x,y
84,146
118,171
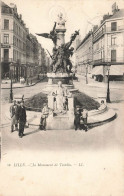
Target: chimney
x,y
114,8
95,27
27,30
13,6
20,16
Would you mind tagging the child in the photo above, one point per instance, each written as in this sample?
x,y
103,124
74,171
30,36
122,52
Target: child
x,y
84,117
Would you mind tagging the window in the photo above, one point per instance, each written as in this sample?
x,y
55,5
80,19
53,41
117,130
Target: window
x,y
6,54
113,40
14,58
6,24
113,55
17,42
6,38
114,26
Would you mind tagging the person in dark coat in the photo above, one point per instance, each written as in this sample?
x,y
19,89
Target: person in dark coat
x,y
21,118
77,118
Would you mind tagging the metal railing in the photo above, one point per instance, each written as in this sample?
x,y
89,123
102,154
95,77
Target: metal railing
x,y
118,28
106,30
106,60
6,60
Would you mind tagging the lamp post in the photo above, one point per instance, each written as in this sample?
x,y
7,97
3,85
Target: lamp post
x,y
108,89
11,90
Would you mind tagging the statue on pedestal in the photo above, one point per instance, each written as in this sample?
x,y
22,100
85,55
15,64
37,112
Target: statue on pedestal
x,y
52,35
59,96
61,61
61,56
61,21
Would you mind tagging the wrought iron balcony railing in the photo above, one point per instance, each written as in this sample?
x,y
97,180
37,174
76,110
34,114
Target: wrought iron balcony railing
x,y
107,30
7,60
109,60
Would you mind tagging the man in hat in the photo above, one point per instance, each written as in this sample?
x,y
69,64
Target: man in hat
x,y
13,114
77,118
21,118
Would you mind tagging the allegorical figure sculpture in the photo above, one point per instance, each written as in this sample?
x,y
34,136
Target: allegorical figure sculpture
x,y
60,21
61,54
52,35
61,61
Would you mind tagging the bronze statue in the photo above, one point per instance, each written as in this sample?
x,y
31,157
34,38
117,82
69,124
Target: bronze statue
x,y
62,56
52,35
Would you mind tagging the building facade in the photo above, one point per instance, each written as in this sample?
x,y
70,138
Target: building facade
x,y
20,49
13,39
84,54
108,45
103,48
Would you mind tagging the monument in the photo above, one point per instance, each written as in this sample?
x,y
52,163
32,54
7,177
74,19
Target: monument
x,y
61,66
60,81
60,93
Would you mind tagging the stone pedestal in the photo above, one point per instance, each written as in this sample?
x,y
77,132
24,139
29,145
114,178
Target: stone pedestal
x,y
60,36
71,104
65,78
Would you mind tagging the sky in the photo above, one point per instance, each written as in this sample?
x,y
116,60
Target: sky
x,y
39,15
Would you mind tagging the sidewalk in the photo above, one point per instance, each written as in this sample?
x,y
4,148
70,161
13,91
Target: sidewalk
x,y
6,85
92,82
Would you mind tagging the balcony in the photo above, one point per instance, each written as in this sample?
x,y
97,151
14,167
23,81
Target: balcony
x,y
106,30
6,60
119,60
98,35
119,28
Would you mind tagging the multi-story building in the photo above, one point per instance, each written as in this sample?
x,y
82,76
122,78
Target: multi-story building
x,y
20,49
108,45
13,39
83,54
102,47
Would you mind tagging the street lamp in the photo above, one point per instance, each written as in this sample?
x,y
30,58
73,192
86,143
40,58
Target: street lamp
x,y
108,89
11,90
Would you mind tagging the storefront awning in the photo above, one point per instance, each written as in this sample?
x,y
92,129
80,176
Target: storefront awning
x,y
116,70
98,70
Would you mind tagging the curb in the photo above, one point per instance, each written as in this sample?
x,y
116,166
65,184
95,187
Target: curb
x,y
112,87
91,125
95,124
24,86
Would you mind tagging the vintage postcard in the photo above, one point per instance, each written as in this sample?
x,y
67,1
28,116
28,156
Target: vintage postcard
x,y
62,98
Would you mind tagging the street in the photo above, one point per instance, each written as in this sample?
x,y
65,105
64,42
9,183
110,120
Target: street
x,y
96,155
66,139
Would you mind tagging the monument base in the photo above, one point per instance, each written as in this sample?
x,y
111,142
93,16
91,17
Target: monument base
x,y
65,78
61,122
54,78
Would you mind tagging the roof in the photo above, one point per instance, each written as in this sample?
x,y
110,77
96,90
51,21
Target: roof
x,y
85,38
118,14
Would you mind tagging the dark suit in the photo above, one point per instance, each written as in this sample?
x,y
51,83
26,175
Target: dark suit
x,y
22,119
77,119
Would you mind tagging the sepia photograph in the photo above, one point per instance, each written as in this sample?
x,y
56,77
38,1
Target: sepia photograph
x,y
62,98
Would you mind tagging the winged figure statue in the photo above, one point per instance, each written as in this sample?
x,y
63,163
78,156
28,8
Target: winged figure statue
x,y
52,35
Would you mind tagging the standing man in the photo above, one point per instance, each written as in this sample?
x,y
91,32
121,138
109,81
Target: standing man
x,y
21,118
13,114
77,118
